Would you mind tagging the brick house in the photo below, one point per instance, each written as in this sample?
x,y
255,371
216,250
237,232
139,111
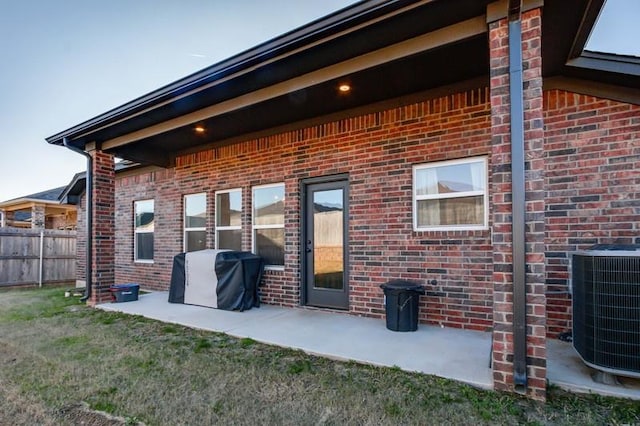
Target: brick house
x,y
391,139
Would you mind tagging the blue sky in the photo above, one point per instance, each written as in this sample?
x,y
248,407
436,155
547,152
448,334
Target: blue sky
x,y
617,28
63,62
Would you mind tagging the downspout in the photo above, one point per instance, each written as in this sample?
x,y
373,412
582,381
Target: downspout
x,y
89,212
516,95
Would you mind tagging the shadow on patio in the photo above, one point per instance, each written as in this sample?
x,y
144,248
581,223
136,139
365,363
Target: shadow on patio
x,y
445,352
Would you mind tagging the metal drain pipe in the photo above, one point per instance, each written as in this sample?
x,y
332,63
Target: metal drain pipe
x,y
89,211
518,203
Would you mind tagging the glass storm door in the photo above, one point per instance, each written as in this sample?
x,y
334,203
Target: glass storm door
x,y
325,245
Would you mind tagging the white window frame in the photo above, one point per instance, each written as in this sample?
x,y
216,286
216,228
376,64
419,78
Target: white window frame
x,y
136,231
215,215
255,227
184,218
484,193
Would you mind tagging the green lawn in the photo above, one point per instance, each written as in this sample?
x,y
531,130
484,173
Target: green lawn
x,y
63,363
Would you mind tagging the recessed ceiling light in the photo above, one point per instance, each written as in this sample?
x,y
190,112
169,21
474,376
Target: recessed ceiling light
x,y
199,129
344,88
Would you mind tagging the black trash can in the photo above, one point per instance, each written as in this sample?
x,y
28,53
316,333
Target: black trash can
x,y
401,303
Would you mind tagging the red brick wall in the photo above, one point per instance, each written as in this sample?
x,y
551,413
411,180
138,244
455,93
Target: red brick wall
x,y
592,186
378,151
159,186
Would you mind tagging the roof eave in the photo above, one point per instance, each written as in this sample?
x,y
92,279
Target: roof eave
x,y
589,20
581,57
235,63
608,62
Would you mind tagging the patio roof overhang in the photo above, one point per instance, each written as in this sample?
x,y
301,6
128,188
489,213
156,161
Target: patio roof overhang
x,y
384,50
27,203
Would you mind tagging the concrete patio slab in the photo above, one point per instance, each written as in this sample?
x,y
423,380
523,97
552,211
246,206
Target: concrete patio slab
x,y
453,354
445,352
566,370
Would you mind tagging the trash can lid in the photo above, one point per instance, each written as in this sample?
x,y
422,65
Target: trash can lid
x,y
402,285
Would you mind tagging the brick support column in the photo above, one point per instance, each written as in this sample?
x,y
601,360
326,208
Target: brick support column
x,y
38,216
502,207
103,232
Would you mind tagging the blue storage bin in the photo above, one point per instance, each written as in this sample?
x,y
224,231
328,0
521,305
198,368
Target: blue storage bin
x,y
124,292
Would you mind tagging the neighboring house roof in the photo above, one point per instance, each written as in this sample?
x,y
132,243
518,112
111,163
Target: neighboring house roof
x,y
48,196
21,206
386,50
71,193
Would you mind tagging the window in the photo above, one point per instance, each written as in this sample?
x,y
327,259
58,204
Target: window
x,y
229,219
268,223
143,230
195,222
450,195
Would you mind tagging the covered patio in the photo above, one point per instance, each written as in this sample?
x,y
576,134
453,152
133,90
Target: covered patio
x,y
455,354
369,104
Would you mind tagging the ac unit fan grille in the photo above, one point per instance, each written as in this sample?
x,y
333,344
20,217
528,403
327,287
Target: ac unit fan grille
x,y
606,311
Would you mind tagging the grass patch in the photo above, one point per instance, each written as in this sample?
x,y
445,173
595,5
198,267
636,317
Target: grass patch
x,y
169,329
201,345
56,354
247,341
300,366
17,306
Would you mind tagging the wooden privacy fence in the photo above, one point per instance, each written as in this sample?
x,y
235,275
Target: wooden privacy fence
x,y
31,256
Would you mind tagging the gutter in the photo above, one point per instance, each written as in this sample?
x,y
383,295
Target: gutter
x,y
326,27
89,212
516,95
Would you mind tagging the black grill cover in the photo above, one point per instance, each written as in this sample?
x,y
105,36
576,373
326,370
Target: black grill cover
x,y
176,288
238,272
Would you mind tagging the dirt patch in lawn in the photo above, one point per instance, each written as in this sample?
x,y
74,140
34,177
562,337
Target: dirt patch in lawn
x,y
81,414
